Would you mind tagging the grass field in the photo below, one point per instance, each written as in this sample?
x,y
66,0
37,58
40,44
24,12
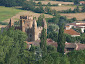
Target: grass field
x,y
6,12
78,16
13,13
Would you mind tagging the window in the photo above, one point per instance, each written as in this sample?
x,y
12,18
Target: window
x,y
30,35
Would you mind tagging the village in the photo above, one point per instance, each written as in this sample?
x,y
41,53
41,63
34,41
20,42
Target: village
x,y
35,32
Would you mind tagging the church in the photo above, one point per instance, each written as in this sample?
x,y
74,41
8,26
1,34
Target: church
x,y
29,25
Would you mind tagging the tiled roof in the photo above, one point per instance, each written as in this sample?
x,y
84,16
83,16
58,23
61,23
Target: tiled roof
x,y
70,45
51,42
77,46
80,46
71,32
82,2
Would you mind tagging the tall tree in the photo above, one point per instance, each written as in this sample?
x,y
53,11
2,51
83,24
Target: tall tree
x,y
43,39
61,39
40,19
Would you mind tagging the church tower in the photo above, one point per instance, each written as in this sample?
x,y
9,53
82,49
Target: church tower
x,y
34,30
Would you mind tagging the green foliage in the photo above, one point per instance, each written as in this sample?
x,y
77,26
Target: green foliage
x,y
40,19
53,27
83,8
39,9
28,6
43,44
13,46
49,4
61,40
32,49
76,1
76,10
76,57
70,39
11,3
53,35
51,48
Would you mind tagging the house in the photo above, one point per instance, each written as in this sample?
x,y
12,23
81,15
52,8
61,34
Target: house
x,y
68,46
37,42
77,24
82,2
71,32
73,46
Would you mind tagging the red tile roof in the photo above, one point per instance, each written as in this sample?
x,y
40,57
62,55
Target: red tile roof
x,y
71,32
80,46
77,46
83,2
70,45
51,42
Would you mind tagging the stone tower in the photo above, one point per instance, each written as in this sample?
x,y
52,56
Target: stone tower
x,y
22,25
35,30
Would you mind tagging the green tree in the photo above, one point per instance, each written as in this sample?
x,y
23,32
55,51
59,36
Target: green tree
x,y
76,1
61,40
10,3
40,19
15,54
43,44
83,8
76,10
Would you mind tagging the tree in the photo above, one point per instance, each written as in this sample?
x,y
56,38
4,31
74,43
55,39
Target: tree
x,y
49,4
76,1
28,6
83,8
61,40
40,19
43,39
10,3
76,10
13,46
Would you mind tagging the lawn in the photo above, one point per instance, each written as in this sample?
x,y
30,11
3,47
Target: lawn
x,y
6,12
